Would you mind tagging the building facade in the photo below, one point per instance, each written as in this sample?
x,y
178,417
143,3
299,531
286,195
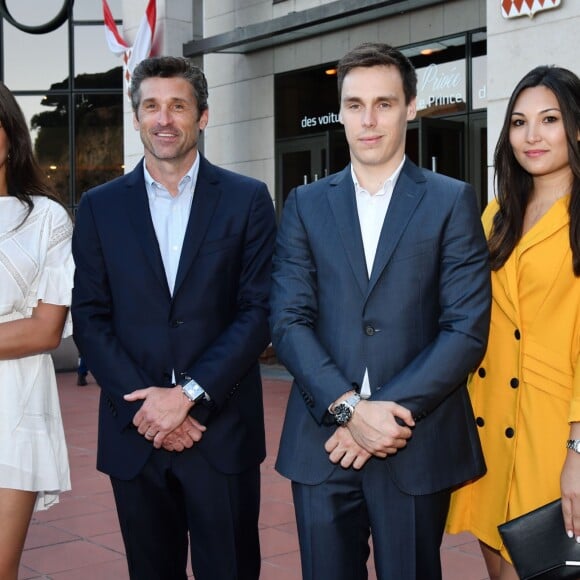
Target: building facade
x,y
274,105
269,63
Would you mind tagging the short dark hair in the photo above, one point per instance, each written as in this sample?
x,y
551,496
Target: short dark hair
x,y
371,54
169,67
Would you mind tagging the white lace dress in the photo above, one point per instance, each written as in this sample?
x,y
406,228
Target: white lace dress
x,y
35,264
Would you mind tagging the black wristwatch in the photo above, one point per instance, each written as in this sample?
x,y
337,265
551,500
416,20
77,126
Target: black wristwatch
x,y
344,410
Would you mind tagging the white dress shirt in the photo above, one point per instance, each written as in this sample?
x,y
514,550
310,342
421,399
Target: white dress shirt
x,y
372,209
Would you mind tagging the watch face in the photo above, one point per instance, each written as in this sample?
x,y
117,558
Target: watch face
x,y
576,446
342,413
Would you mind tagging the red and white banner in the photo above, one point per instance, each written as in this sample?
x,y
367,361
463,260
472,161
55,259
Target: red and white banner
x,y
515,8
141,49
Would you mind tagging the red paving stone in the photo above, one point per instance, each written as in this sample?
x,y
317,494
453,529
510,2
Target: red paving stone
x,y
79,539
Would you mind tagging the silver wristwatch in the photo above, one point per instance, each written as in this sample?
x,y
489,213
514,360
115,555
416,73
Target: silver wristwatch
x,y
344,410
193,391
573,444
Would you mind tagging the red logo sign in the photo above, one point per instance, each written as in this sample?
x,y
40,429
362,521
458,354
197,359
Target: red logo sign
x,y
515,8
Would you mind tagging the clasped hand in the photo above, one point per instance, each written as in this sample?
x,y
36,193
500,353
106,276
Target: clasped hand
x,y
372,431
163,418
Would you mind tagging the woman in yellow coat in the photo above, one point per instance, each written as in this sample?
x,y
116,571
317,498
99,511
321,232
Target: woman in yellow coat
x,y
526,392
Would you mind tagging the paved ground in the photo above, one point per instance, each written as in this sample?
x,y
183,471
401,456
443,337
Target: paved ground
x,y
79,539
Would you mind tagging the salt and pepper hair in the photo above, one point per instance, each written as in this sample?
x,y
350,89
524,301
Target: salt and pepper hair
x,y
169,67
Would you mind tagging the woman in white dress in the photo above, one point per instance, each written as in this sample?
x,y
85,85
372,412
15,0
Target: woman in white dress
x,y
36,270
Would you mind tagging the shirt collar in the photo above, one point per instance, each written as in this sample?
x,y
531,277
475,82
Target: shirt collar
x,y
388,185
155,188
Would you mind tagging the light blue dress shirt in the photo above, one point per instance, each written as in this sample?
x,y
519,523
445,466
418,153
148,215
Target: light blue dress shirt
x,y
170,215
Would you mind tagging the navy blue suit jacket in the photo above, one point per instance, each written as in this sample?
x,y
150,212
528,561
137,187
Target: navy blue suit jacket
x,y
419,324
134,333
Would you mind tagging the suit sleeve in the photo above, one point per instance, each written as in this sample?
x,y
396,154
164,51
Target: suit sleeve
x,y
293,319
238,347
465,302
92,312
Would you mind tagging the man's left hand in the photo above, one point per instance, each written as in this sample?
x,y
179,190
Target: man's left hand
x,y
163,410
342,448
184,437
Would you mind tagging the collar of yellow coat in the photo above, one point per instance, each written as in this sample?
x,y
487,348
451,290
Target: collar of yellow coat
x,y
555,219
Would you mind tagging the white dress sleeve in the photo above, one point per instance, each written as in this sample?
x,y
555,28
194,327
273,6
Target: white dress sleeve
x,y
55,279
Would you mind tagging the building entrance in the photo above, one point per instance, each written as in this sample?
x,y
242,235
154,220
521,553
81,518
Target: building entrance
x,y
438,145
300,161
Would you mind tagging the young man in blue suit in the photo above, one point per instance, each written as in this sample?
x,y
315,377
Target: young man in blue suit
x,y
170,310
380,308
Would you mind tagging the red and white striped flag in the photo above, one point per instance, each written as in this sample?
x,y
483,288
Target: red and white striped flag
x,y
141,49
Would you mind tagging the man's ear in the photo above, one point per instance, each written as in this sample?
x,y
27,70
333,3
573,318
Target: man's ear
x,y
135,121
412,109
203,119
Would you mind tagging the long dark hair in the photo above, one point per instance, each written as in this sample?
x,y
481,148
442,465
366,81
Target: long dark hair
x,y
514,185
24,178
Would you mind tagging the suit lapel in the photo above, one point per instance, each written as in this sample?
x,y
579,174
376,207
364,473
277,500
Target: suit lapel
x,y
407,194
341,197
140,220
205,200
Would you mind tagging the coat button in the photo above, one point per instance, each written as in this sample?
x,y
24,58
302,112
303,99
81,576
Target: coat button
x,y
509,432
514,383
481,372
369,330
176,323
480,422
517,334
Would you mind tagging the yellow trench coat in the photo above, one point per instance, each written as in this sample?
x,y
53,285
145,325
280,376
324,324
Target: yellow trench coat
x,y
527,388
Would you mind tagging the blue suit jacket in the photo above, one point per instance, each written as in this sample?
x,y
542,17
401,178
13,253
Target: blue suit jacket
x,y
419,324
133,333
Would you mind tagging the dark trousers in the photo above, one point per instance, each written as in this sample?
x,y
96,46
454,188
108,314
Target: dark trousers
x,y
180,494
335,520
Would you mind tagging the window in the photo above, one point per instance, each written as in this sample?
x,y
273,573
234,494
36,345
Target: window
x,y
70,87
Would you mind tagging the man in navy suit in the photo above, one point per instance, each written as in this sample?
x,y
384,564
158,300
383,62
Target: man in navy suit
x,y
380,308
170,310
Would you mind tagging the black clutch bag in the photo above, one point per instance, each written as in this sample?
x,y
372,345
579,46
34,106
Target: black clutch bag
x,y
539,546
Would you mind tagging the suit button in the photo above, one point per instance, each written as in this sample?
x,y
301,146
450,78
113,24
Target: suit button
x,y
514,383
481,372
369,330
176,323
517,334
480,422
509,432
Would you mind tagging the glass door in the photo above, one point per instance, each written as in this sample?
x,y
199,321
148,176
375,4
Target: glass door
x,y
299,161
438,145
